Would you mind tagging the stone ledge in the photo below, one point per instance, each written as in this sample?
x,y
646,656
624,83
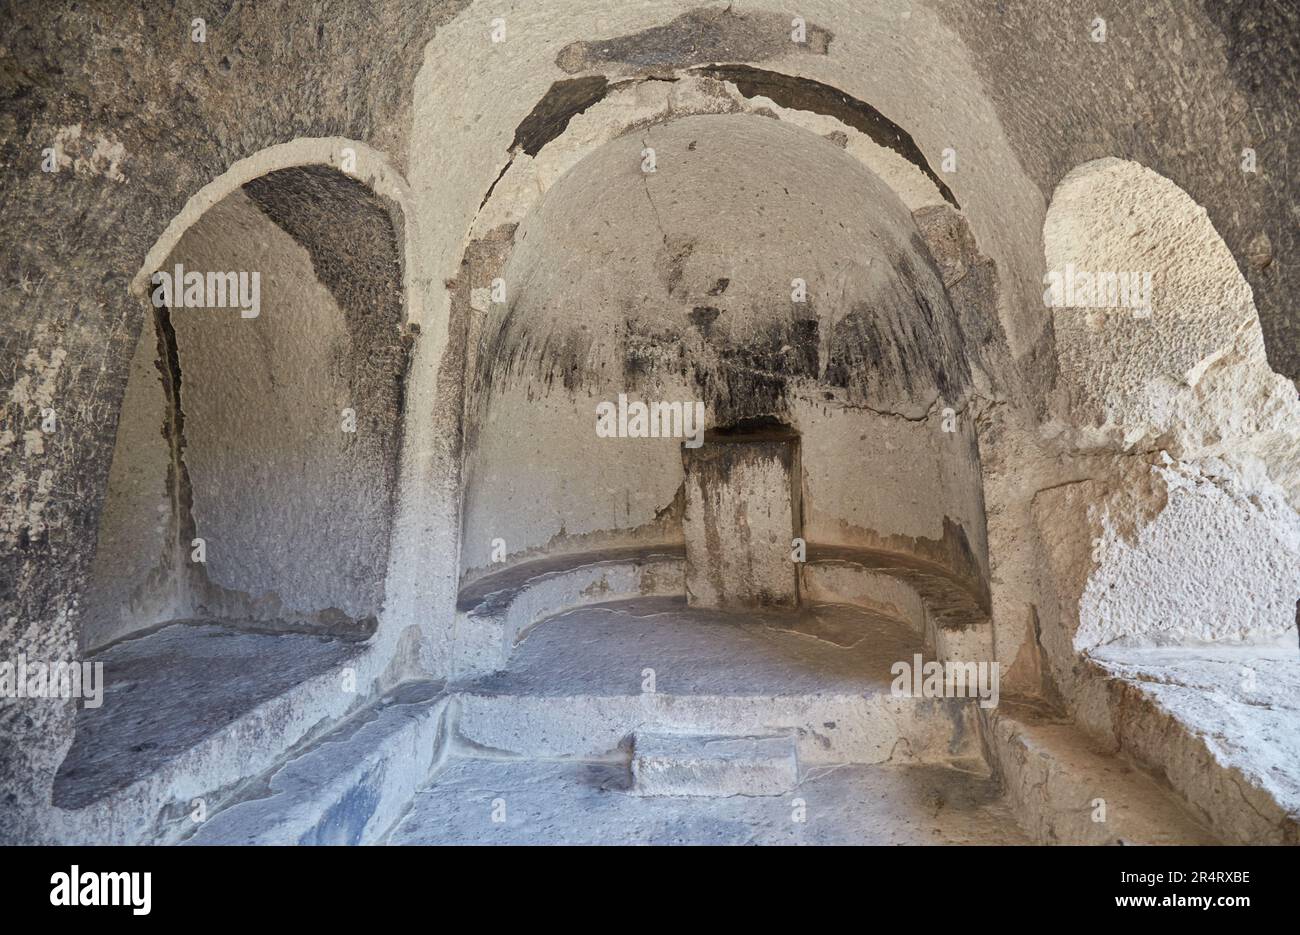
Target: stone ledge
x,y
1218,721
514,601
1053,778
693,765
349,787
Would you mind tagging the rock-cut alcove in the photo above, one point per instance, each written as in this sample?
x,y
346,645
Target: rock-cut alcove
x,y
254,478
271,433
758,270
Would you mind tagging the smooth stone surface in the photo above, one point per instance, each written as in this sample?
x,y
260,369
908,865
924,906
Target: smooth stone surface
x,y
588,803
582,683
685,764
168,691
1220,723
604,649
349,787
1067,791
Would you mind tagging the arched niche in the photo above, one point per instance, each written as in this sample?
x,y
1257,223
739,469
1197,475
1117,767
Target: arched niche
x,y
261,429
678,285
1157,338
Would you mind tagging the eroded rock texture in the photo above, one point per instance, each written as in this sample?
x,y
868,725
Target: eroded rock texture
x,y
853,238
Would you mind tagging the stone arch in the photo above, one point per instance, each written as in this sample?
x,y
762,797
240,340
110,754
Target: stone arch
x,y
1158,341
650,44
273,433
686,318
1187,531
353,157
484,163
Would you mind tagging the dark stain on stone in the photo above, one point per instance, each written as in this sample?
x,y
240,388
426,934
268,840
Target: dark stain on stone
x,y
483,261
971,280
648,349
728,449
353,238
703,317
674,257
695,38
753,429
806,94
562,102
785,348
903,346
899,349
181,526
947,573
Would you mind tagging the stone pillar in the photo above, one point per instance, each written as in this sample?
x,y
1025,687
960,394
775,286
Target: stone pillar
x,y
742,510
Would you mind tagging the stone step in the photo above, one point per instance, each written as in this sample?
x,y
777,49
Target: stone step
x,y
828,729
583,683
351,785
520,801
190,712
1065,791
689,764
1217,722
